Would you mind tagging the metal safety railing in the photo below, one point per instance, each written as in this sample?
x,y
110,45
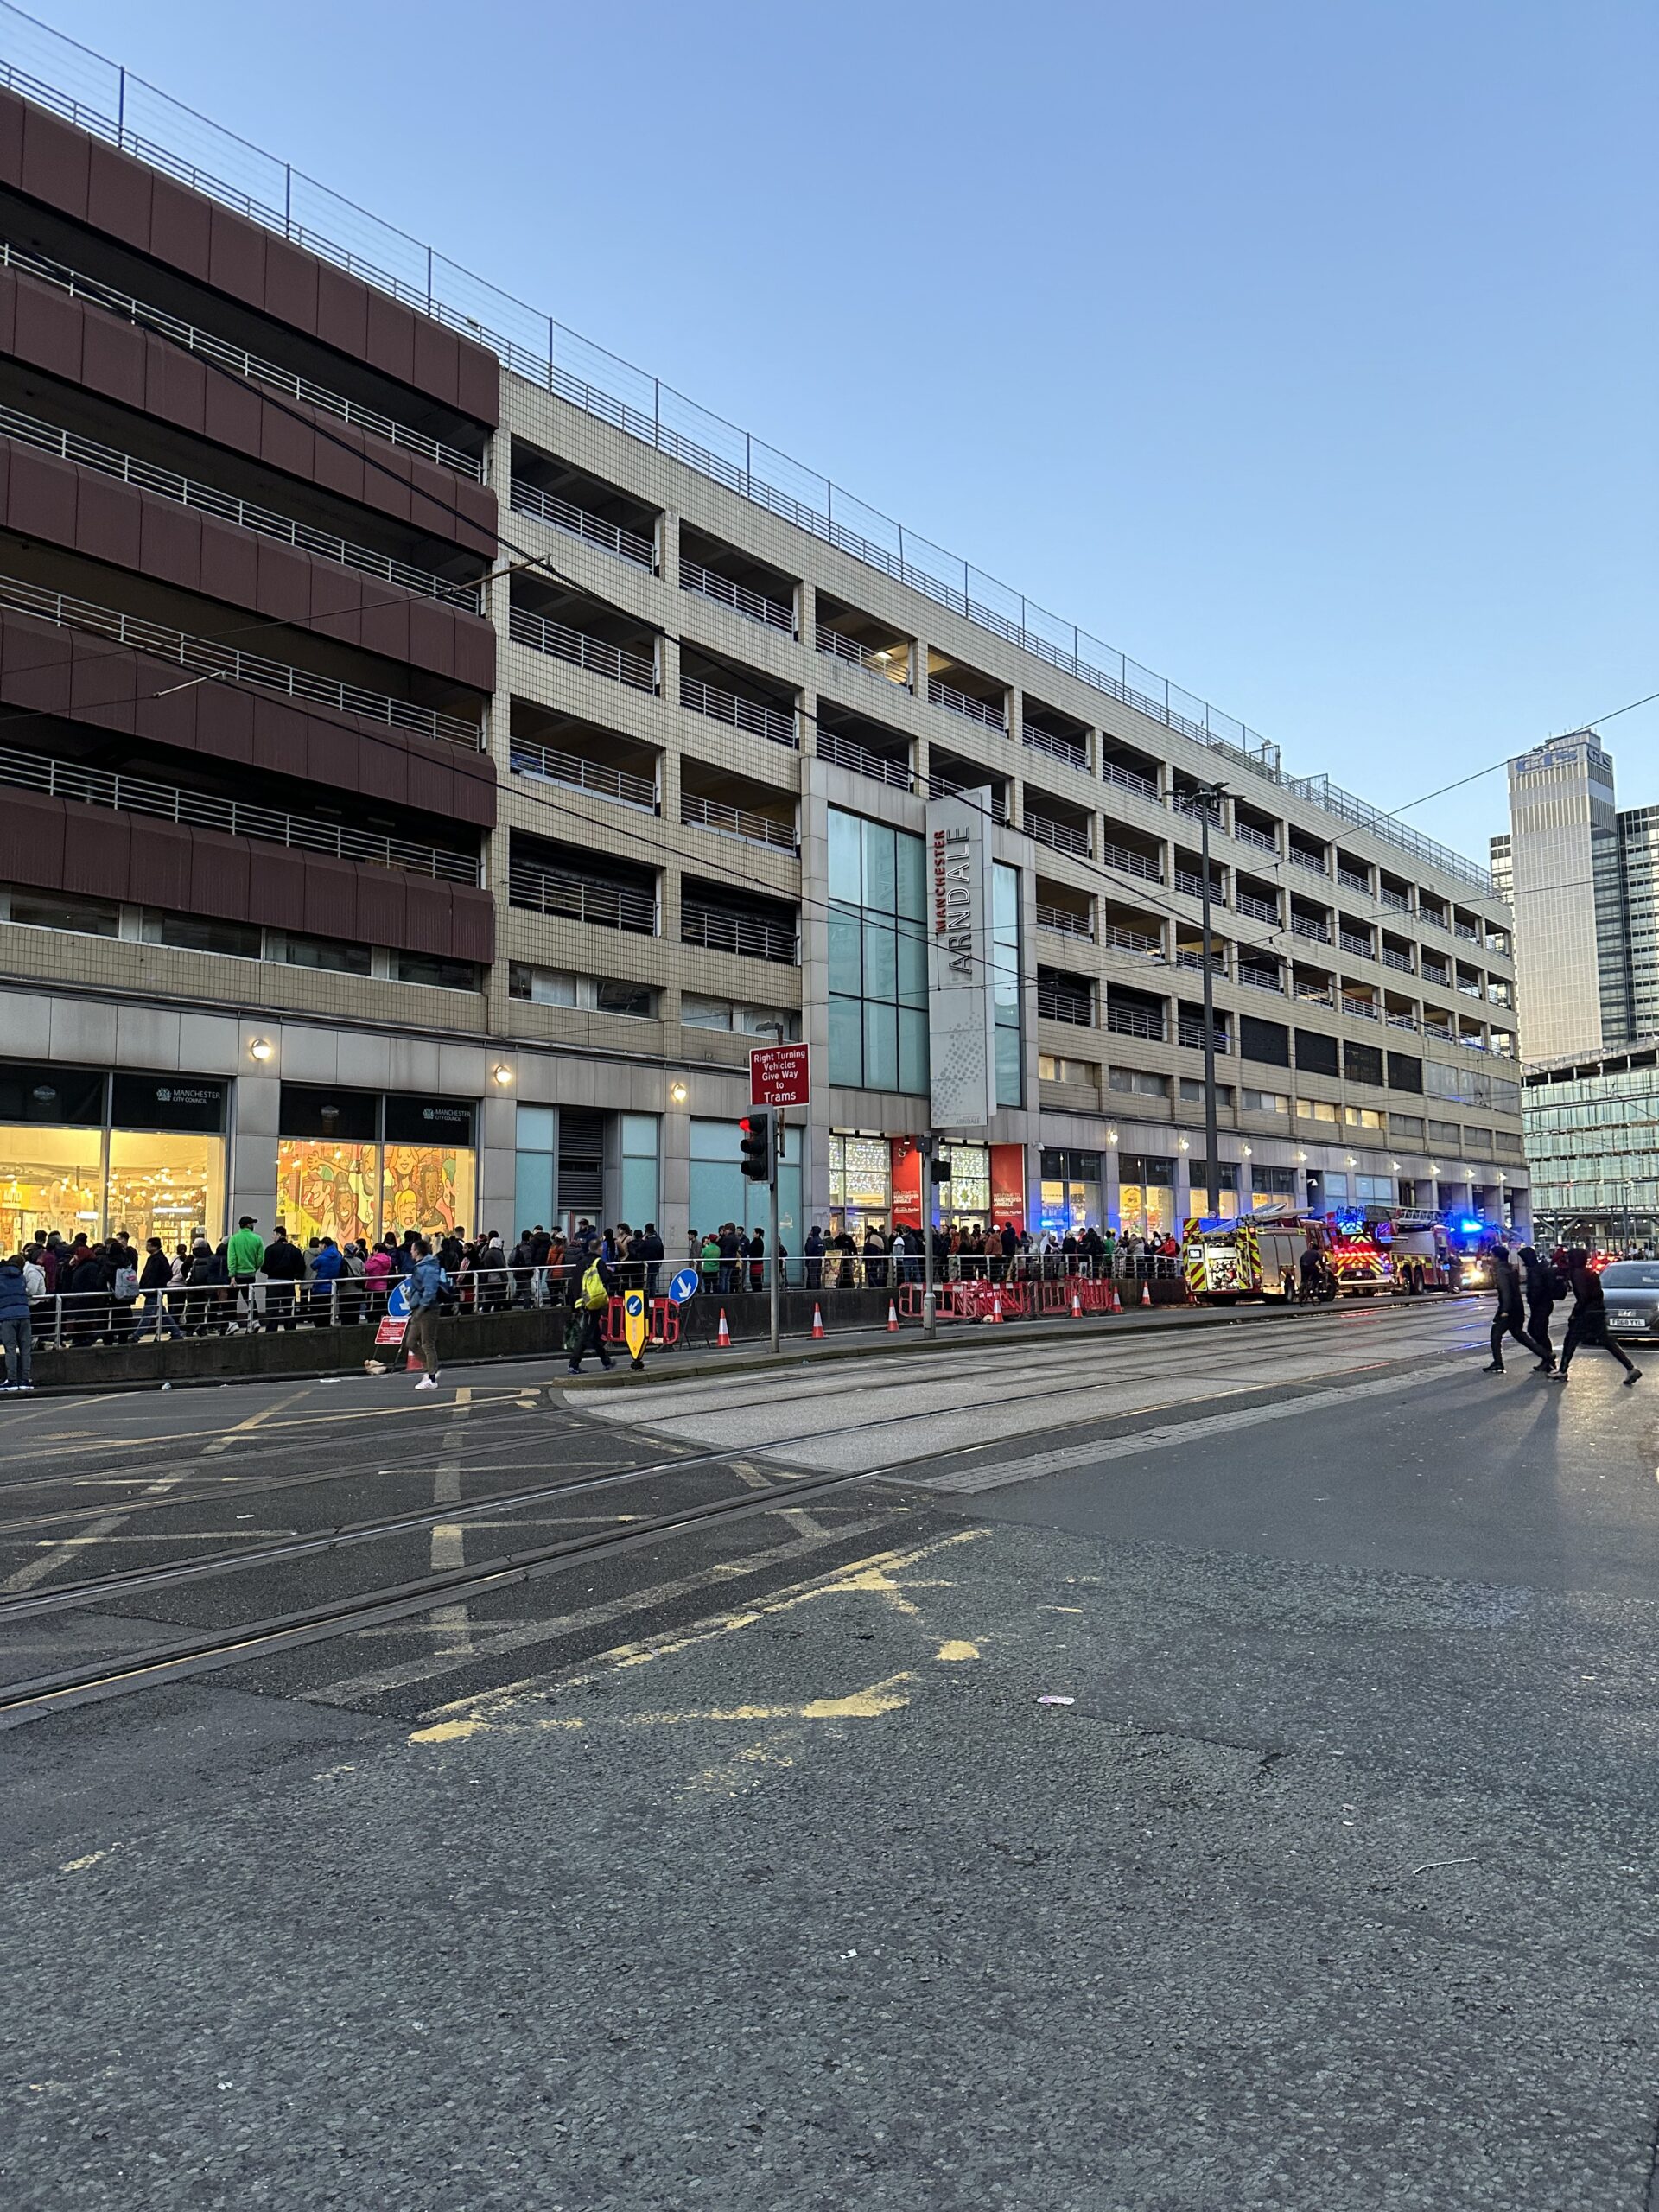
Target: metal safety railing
x,y
1059,837
1065,921
1310,863
185,492
698,813
720,706
577,775
122,108
720,930
754,606
942,787
894,667
1064,1002
960,703
581,899
1350,941
229,665
206,811
1352,882
847,752
1248,834
1259,910
544,635
1261,979
1130,779
1129,863
237,358
1134,1021
1073,751
527,499
1316,933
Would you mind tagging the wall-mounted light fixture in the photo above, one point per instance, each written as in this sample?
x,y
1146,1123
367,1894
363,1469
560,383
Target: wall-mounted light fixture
x,y
502,1074
260,1048
678,1093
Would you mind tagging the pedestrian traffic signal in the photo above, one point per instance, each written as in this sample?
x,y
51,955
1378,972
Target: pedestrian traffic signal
x,y
757,1145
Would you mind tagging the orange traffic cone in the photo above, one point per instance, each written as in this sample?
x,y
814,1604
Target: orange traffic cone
x,y
817,1321
1076,1304
892,1318
996,1305
1117,1303
725,1333
1145,1293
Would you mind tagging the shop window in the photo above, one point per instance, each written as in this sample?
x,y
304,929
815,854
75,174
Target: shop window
x,y
1069,1191
1197,1184
52,1179
719,1191
1378,1189
967,1197
1335,1188
166,1184
1270,1183
1145,1196
327,1189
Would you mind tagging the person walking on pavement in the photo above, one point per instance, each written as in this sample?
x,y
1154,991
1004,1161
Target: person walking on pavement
x,y
1509,1320
1543,1285
423,1287
283,1265
152,1317
1587,1323
598,1286
16,1328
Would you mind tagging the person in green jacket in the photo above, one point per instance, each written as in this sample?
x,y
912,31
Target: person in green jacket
x,y
710,1260
244,1251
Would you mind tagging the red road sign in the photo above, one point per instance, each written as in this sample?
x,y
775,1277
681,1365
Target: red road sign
x,y
778,1074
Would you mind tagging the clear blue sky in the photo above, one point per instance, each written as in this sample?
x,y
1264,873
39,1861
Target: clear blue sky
x,y
1305,352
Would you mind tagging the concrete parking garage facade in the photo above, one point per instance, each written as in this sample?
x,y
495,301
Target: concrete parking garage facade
x,y
590,767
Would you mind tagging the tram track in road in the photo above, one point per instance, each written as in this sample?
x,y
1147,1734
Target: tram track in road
x,y
388,1602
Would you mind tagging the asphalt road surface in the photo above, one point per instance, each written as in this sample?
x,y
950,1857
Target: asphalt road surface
x,y
1213,1770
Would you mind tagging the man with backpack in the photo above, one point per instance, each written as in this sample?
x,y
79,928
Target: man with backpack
x,y
1544,1286
594,1291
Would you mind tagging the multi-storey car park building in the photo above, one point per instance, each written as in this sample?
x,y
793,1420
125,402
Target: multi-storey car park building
x,y
430,762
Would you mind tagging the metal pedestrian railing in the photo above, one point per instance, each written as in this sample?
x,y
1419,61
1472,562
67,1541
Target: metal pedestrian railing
x,y
1059,837
754,606
581,899
527,499
761,721
207,811
237,358
1248,834
1138,941
1064,921
942,787
1072,750
229,665
1310,863
1128,862
577,775
1259,910
1066,1002
1130,779
544,635
1262,979
185,492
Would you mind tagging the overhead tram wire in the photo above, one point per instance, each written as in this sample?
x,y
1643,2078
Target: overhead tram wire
x,y
1492,767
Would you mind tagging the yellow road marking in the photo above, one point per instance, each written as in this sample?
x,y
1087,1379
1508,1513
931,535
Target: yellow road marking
x,y
957,1648
253,1421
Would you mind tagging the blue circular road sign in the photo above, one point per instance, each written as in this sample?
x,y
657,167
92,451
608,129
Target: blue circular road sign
x,y
684,1286
397,1304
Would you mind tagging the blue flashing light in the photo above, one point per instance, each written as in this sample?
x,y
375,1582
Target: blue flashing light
x,y
1472,1227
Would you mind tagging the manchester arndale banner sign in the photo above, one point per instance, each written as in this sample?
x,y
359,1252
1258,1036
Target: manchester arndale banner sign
x,y
961,1011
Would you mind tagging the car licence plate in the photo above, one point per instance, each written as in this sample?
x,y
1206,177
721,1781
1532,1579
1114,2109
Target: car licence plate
x,y
1625,1320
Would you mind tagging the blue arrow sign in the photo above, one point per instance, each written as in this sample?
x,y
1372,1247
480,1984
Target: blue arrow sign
x,y
684,1286
397,1304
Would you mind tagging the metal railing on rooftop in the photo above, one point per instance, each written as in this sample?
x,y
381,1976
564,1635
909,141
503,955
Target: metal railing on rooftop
x,y
167,484
527,499
229,665
578,774
235,358
894,667
847,752
561,642
122,108
699,813
754,606
236,817
742,714
574,898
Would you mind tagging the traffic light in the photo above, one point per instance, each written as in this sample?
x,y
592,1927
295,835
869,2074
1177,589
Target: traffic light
x,y
757,1145
940,1169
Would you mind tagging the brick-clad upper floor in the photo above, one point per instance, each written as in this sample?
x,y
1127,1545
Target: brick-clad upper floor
x,y
79,176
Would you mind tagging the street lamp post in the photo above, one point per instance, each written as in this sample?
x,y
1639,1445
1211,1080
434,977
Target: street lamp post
x,y
773,1302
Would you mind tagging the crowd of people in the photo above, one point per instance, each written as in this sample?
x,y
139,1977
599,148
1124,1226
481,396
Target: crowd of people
x,y
87,1293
